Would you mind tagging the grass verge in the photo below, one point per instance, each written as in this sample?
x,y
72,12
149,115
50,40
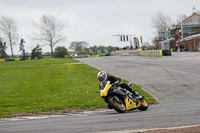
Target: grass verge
x,y
49,84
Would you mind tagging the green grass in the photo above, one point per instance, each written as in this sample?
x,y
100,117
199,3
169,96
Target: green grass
x,y
50,84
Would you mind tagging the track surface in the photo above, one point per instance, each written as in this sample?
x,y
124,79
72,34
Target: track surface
x,y
175,81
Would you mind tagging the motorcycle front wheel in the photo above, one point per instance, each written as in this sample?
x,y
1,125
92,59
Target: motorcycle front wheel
x,y
143,105
117,103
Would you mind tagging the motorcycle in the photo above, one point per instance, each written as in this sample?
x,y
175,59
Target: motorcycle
x,y
120,99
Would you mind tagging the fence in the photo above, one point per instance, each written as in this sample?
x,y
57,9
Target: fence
x,y
16,59
155,53
125,53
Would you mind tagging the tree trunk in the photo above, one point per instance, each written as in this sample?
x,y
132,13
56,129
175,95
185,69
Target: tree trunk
x,y
11,48
51,51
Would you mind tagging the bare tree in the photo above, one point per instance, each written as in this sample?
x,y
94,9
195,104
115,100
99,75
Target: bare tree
x,y
50,31
161,22
9,30
181,18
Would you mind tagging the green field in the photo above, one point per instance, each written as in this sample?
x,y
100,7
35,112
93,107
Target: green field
x,y
49,84
79,55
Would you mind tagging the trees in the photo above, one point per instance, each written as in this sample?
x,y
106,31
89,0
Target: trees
x,y
60,52
94,49
9,31
50,31
102,49
82,47
111,48
36,52
2,49
78,46
21,48
86,50
161,22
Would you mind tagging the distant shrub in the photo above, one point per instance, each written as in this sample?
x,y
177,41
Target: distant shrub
x,y
60,52
36,52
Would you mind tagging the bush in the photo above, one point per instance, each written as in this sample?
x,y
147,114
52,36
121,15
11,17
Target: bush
x,y
36,52
4,55
60,52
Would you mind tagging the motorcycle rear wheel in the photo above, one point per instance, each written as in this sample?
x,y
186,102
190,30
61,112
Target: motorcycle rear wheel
x,y
117,104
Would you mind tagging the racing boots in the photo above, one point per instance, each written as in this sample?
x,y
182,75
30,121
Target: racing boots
x,y
138,96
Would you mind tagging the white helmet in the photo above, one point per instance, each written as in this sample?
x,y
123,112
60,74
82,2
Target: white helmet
x,y
102,76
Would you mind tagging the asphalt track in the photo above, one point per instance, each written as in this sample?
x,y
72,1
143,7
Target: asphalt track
x,y
174,81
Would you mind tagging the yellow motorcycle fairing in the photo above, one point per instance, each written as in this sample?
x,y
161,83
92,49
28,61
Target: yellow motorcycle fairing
x,y
143,102
130,104
104,92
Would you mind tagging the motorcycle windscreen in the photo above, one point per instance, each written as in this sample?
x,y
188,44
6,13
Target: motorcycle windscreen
x,y
104,87
103,84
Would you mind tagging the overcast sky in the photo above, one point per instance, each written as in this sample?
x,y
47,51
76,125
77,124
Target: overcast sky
x,y
93,21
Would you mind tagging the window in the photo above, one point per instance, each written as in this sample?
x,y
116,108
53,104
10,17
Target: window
x,y
188,29
161,35
164,34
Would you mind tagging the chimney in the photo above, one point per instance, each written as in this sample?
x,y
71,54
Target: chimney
x,y
194,11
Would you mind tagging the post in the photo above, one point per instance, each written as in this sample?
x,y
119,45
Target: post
x,y
181,29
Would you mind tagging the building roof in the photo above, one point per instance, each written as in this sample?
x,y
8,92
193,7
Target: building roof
x,y
189,38
166,41
163,31
191,20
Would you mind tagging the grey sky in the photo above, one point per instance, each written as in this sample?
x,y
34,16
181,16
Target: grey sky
x,y
94,21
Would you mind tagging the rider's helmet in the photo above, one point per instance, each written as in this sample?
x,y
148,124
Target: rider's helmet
x,y
102,76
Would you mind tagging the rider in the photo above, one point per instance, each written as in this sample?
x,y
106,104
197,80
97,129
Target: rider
x,y
102,76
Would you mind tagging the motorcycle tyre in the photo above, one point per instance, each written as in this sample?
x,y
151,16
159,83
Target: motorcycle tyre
x,y
143,107
112,104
